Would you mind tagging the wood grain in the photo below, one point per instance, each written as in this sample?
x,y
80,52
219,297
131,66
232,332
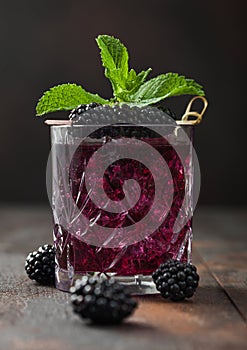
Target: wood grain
x,y
222,241
36,317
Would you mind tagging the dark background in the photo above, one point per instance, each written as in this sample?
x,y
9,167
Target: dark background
x,y
44,43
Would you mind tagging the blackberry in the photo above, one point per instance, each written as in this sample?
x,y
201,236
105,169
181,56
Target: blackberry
x,y
168,111
119,120
78,111
40,265
123,130
176,280
101,301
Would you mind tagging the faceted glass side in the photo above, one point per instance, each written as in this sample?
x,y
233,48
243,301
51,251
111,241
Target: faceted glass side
x,y
131,263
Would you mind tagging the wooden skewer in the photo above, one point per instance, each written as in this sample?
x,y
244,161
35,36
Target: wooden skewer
x,y
58,122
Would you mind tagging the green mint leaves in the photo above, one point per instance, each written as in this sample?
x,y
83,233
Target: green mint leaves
x,y
163,86
64,98
115,59
128,86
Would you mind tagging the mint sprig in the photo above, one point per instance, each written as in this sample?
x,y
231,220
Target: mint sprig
x,y
128,86
163,86
115,59
64,98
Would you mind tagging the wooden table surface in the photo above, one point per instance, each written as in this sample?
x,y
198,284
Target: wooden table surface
x,y
33,317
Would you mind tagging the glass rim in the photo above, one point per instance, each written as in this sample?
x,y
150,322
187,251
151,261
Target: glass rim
x,y
68,123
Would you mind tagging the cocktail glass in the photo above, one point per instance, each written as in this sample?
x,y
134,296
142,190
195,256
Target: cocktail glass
x,y
122,196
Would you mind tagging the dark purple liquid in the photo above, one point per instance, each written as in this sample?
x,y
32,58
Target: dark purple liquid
x,y
141,257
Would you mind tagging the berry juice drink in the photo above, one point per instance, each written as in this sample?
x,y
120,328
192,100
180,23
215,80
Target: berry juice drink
x,y
90,234
122,173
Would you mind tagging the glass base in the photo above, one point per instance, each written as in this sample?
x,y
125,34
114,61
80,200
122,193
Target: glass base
x,y
136,285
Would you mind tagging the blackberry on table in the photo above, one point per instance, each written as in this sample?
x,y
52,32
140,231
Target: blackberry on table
x,y
40,265
101,301
176,280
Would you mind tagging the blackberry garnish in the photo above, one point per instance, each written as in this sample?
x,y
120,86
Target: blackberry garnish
x,y
176,280
40,265
119,121
78,111
123,130
101,301
169,112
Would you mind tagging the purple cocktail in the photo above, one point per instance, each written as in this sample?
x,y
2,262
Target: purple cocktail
x,y
122,173
89,238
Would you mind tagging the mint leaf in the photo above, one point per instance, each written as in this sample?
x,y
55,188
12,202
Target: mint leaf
x,y
65,97
163,86
131,80
115,58
134,81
